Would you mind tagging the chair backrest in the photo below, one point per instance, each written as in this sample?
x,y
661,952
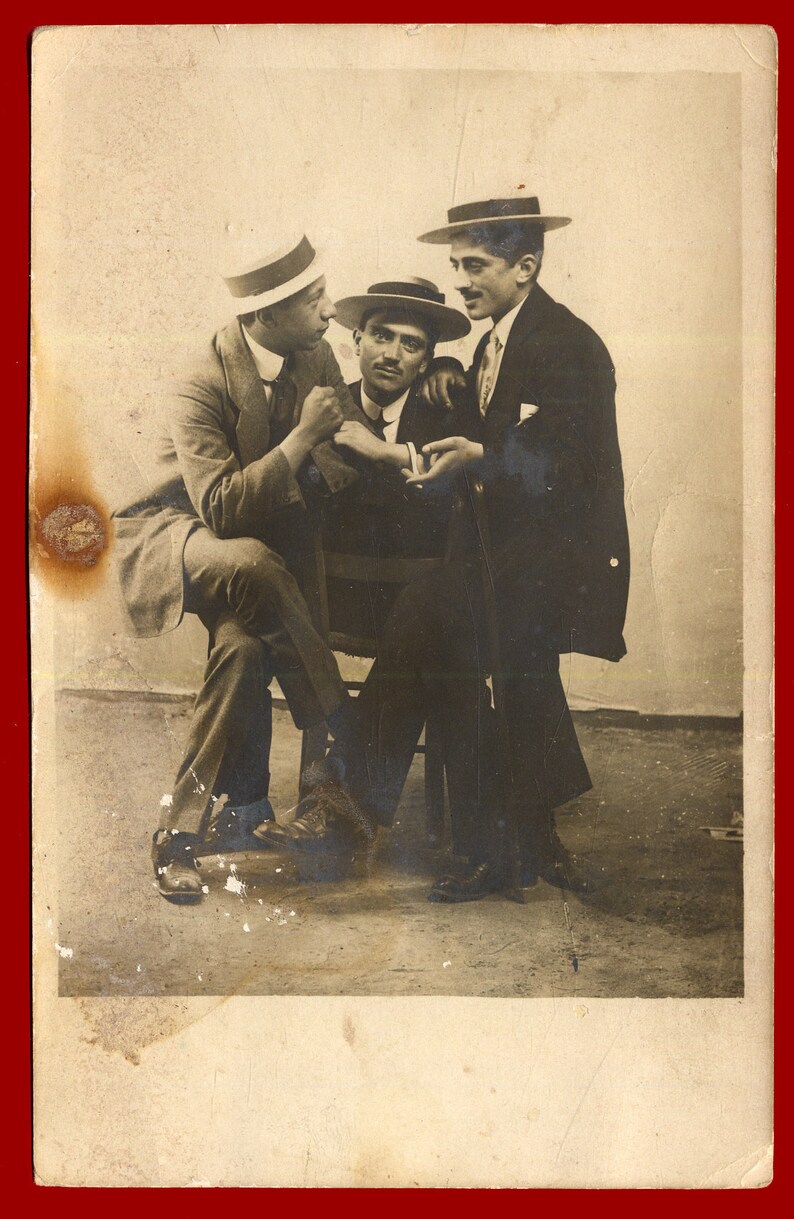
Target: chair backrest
x,y
325,565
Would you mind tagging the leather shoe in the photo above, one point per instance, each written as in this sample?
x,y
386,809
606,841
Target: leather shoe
x,y
564,871
484,879
175,866
308,827
328,817
232,830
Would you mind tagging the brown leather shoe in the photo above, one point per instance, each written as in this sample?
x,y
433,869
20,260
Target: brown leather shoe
x,y
175,866
327,819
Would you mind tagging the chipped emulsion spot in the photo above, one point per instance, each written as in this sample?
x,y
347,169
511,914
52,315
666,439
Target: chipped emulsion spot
x,y
64,952
73,533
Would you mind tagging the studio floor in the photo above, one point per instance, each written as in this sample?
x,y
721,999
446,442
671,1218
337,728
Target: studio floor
x,y
664,918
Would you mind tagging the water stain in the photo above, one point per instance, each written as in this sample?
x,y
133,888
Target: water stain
x,y
70,527
122,1026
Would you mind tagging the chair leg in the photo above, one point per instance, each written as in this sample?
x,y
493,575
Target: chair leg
x,y
313,745
434,785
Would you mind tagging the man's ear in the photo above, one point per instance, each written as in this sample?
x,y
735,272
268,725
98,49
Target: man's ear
x,y
357,339
527,268
265,317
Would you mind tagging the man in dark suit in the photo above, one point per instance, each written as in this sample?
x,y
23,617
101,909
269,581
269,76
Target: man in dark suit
x,y
396,326
243,461
542,435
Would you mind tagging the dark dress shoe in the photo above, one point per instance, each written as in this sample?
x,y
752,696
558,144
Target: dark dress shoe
x,y
232,831
307,830
327,819
173,856
484,879
564,871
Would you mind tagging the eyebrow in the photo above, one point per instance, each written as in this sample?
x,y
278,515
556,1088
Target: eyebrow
x,y
411,338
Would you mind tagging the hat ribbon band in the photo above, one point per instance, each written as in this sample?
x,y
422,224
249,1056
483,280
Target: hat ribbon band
x,y
494,209
265,279
396,288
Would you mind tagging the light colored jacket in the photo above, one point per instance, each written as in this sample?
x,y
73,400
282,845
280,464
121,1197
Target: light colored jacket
x,y
213,466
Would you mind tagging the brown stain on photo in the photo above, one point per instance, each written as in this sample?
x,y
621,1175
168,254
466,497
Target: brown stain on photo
x,y
70,527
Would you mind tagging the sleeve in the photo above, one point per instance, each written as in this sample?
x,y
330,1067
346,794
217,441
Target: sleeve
x,y
333,377
230,500
550,458
330,469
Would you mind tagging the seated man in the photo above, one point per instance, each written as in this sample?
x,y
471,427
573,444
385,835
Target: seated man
x,y
395,326
241,466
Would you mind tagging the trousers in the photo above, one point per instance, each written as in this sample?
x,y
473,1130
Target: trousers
x,y
259,627
433,659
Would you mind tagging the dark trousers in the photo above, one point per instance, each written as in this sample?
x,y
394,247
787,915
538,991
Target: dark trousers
x,y
259,626
433,658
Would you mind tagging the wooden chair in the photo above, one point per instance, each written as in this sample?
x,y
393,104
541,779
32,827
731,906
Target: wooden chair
x,y
323,565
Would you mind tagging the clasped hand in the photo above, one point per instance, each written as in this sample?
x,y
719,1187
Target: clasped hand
x,y
359,439
443,458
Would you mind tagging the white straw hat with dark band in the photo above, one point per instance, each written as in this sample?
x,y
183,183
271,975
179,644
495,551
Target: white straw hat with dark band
x,y
274,277
416,297
493,212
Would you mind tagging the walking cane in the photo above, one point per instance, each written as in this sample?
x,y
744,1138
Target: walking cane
x,y
512,858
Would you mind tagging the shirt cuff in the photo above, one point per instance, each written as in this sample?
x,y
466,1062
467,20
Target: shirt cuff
x,y
412,457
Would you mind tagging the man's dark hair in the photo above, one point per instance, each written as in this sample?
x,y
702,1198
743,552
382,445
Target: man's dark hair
x,y
510,241
399,314
248,319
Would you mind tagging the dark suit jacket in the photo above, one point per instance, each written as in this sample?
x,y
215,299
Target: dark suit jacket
x,y
554,481
380,513
214,466
380,517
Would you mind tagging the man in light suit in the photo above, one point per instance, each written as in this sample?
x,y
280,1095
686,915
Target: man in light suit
x,y
242,462
542,435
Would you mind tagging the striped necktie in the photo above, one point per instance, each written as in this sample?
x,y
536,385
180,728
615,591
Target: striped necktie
x,y
487,374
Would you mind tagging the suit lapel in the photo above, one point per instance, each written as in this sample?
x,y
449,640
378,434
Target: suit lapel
x,y
355,393
506,397
410,425
247,393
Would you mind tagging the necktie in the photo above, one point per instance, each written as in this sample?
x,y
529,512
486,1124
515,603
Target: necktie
x,y
282,406
379,425
487,374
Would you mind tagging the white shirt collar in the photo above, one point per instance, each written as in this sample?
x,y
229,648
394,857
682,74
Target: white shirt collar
x,y
505,324
268,364
388,413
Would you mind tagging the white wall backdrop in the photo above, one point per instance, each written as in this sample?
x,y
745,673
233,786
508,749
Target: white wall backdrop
x,y
153,147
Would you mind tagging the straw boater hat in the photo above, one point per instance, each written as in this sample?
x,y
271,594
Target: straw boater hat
x,y
492,212
274,276
415,296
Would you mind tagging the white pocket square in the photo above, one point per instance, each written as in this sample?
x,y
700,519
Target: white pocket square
x,y
527,410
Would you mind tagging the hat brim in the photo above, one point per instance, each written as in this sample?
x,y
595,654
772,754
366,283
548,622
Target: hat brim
x,y
250,304
442,236
447,323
